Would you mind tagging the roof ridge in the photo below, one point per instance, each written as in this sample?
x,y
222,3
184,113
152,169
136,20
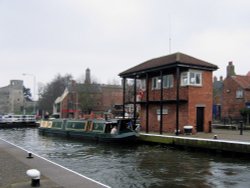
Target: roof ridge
x,y
242,80
167,61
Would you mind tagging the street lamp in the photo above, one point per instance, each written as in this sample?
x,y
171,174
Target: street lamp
x,y
34,89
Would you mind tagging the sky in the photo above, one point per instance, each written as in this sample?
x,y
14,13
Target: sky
x,y
44,38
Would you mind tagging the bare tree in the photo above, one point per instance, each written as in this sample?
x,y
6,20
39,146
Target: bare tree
x,y
89,97
51,91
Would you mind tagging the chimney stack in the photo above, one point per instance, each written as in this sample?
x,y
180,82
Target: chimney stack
x,y
221,78
87,77
230,69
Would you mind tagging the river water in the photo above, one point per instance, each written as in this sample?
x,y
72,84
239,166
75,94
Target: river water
x,y
139,166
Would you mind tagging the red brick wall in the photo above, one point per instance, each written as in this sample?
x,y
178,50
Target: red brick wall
x,y
168,94
201,97
230,104
169,120
111,96
247,95
65,109
196,96
64,105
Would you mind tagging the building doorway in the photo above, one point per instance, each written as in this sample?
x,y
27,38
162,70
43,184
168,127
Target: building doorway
x,y
200,119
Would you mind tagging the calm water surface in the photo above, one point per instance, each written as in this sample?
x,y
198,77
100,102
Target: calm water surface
x,y
137,166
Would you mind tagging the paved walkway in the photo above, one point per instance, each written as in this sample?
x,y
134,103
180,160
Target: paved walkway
x,y
14,164
227,140
222,134
13,172
225,134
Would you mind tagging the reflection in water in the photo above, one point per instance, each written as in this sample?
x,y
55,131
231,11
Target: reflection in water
x,y
228,174
135,166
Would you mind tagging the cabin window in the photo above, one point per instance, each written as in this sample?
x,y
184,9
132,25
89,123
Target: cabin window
x,y
193,78
168,81
156,83
142,84
184,79
239,94
158,112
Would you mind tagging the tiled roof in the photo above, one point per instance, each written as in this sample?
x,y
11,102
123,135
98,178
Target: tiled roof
x,y
243,81
89,88
168,61
218,85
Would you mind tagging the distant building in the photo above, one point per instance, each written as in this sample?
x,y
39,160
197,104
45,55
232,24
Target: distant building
x,y
177,91
217,97
80,99
235,94
12,98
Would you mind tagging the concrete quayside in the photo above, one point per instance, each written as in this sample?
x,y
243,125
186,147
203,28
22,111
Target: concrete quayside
x,y
219,140
16,162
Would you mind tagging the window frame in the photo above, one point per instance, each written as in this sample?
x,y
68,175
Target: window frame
x,y
191,78
239,94
168,81
156,84
142,84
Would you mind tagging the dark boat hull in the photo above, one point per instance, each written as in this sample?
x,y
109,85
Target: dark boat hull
x,y
17,125
101,137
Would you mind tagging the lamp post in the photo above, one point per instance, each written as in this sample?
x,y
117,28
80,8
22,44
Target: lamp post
x,y
34,89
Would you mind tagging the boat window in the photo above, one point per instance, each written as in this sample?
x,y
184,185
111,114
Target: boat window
x,y
76,125
57,124
98,126
109,127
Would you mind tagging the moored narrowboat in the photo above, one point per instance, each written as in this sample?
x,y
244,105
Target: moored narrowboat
x,y
118,130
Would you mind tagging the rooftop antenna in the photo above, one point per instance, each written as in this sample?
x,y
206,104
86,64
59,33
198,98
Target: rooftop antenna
x,y
169,40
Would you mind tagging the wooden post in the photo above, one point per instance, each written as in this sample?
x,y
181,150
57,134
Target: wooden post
x,y
123,97
147,100
135,94
177,99
161,103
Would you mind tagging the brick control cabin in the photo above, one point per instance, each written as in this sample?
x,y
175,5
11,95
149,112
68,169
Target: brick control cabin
x,y
176,90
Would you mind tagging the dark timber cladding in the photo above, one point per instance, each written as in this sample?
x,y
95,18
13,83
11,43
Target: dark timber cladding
x,y
176,62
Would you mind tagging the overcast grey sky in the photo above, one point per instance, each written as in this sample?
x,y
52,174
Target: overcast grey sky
x,y
47,37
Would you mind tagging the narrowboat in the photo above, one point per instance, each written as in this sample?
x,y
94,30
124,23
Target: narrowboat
x,y
119,130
